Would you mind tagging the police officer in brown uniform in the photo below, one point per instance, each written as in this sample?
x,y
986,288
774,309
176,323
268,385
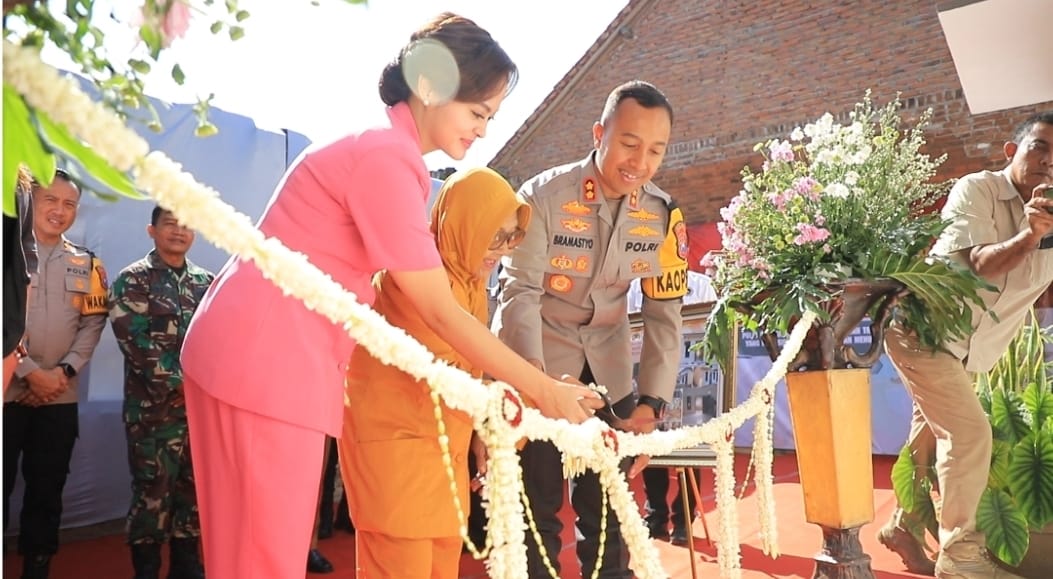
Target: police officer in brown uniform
x,y
66,315
598,224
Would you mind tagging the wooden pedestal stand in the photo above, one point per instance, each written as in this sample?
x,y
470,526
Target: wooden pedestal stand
x,y
831,430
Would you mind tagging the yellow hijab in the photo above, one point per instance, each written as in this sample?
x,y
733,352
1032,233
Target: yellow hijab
x,y
468,211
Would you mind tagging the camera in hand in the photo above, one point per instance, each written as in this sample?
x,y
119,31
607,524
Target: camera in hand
x,y
1048,194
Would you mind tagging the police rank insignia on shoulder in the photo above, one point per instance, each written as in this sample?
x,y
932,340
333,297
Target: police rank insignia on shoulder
x,y
590,189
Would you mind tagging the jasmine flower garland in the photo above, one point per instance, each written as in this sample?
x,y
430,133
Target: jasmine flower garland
x,y
498,413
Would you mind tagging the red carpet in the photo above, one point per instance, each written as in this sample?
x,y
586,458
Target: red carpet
x,y
107,557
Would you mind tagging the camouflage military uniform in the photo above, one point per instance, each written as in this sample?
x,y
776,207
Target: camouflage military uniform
x,y
151,307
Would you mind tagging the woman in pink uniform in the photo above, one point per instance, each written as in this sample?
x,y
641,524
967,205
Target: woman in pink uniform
x,y
264,375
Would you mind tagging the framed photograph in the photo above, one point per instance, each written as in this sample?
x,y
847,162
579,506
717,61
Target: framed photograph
x,y
702,391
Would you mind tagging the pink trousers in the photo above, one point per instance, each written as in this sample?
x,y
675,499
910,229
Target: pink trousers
x,y
257,485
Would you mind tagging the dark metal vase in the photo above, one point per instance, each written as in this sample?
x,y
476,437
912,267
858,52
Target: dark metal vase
x,y
850,301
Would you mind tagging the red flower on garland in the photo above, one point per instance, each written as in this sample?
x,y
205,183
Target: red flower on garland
x,y
512,408
610,440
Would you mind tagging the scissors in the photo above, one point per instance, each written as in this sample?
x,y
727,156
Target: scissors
x,y
606,413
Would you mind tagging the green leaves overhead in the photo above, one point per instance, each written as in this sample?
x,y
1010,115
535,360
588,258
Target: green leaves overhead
x,y
57,138
21,145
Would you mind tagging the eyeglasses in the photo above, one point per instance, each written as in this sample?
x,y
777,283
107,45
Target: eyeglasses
x,y
512,238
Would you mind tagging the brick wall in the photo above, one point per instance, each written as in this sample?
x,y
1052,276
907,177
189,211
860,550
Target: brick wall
x,y
741,72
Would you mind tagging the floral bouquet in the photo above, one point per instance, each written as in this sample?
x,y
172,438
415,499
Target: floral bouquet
x,y
832,203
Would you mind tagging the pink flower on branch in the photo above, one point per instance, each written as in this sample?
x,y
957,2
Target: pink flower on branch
x,y
170,19
176,22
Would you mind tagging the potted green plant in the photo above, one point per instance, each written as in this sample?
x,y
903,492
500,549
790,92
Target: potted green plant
x,y
1016,510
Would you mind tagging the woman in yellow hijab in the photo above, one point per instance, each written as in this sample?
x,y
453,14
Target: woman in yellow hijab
x,y
390,459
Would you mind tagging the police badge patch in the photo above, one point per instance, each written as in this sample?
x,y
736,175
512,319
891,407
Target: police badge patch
x,y
560,283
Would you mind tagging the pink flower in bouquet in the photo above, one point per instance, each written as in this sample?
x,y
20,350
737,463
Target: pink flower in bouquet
x,y
808,233
782,151
808,187
779,200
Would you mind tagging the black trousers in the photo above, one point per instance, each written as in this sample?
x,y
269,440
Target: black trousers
x,y
329,474
656,488
43,438
477,520
543,480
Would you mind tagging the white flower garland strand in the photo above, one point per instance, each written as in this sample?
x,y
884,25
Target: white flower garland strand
x,y
508,557
762,476
727,517
200,207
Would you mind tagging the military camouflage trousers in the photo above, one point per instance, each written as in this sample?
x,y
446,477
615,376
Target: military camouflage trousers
x,y
164,502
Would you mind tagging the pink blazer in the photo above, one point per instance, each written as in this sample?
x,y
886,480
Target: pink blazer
x,y
352,208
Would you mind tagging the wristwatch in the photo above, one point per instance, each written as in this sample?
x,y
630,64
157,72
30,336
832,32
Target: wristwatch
x,y
67,370
656,404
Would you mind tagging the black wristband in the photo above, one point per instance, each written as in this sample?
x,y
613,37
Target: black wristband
x,y
656,404
67,370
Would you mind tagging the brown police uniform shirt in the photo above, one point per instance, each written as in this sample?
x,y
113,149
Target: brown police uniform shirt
x,y
563,295
66,314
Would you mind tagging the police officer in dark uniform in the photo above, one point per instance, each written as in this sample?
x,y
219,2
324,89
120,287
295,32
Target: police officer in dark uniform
x,y
598,224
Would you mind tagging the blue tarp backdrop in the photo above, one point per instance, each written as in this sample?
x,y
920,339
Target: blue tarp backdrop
x,y
244,163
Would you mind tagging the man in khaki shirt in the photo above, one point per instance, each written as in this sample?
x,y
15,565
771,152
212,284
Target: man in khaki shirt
x,y
598,224
1001,228
66,315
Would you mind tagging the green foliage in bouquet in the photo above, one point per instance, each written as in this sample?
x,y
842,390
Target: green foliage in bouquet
x,y
837,202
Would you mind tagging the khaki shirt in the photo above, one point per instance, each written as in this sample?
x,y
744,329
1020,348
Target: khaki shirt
x,y
66,285
985,208
563,295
